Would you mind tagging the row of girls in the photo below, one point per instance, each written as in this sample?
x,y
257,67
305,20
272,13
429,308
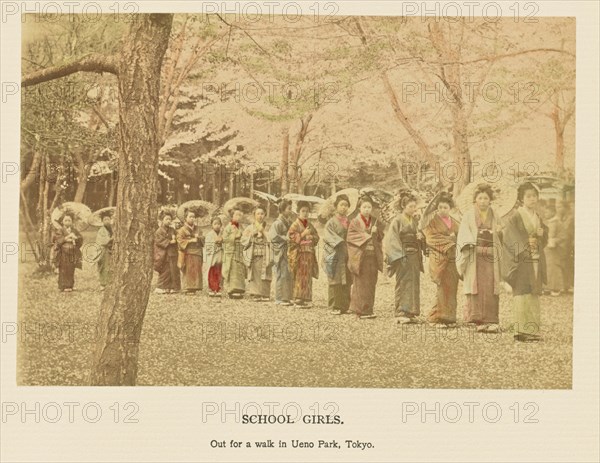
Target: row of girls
x,y
480,250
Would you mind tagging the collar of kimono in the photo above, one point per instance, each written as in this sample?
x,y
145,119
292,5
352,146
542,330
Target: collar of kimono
x,y
483,214
530,220
343,220
235,224
304,222
366,221
447,220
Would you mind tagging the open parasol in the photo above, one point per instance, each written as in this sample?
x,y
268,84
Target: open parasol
x,y
245,204
203,210
79,211
95,220
327,208
505,196
267,197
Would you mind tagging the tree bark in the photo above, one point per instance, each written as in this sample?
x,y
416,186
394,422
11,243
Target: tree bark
x,y
285,156
295,184
125,299
82,178
92,63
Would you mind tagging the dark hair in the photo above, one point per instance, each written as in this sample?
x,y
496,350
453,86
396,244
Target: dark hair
x,y
445,198
341,198
483,188
523,187
406,197
216,219
283,205
302,204
67,214
106,214
163,214
262,208
187,212
365,199
236,209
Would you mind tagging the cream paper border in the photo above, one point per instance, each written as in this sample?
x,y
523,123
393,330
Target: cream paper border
x,y
170,426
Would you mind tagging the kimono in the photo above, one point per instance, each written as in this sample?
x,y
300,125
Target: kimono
x,y
479,249
302,258
441,241
234,270
524,268
104,243
67,256
213,261
403,256
190,256
165,259
557,255
365,260
278,237
335,263
257,257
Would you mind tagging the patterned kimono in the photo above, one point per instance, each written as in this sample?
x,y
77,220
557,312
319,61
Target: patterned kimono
x,y
165,259
479,249
365,260
441,241
213,261
403,253
104,243
335,263
67,256
525,268
302,258
190,257
257,257
234,270
278,237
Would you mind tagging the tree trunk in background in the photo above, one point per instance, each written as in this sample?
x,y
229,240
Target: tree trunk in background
x,y
82,178
426,154
125,300
285,157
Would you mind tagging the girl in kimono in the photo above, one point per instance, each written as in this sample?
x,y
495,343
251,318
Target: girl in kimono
x,y
365,259
67,243
191,242
335,258
303,239
403,257
440,235
104,242
213,258
257,257
479,248
525,237
234,270
165,257
278,238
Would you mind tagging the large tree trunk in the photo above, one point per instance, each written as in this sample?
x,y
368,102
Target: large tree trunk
x,y
125,300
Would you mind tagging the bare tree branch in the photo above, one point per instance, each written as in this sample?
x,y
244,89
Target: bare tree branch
x,y
92,63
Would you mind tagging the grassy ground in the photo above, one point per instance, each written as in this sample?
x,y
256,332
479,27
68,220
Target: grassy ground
x,y
197,340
